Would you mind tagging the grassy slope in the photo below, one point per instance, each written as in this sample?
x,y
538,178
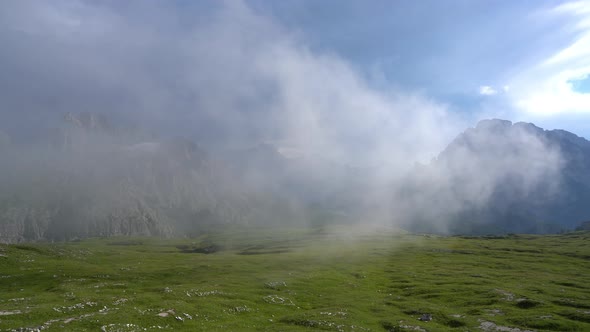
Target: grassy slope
x,y
296,280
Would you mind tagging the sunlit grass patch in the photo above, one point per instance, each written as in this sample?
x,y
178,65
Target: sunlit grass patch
x,y
296,280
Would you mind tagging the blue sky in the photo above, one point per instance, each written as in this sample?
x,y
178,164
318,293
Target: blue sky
x,y
516,59
379,78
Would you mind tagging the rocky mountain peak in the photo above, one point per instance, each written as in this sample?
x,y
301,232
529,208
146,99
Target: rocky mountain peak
x,y
493,125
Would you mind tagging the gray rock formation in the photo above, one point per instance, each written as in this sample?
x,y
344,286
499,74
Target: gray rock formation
x,y
501,177
498,177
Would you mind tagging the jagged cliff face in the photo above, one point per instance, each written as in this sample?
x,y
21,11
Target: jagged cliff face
x,y
94,185
501,177
95,179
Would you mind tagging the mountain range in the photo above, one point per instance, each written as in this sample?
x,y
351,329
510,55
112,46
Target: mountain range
x,y
501,177
89,178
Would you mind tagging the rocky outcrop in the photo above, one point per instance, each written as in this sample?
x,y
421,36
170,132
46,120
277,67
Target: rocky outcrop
x,y
501,177
98,186
497,177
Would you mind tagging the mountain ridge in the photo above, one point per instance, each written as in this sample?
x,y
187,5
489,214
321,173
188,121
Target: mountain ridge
x,y
497,177
510,178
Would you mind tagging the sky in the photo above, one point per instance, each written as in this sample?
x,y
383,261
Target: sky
x,y
520,60
382,80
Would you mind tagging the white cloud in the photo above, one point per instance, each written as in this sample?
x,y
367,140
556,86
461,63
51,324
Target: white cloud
x,y
238,74
546,88
487,90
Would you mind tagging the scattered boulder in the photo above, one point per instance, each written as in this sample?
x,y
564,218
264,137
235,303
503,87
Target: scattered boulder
x,y
166,313
491,326
425,318
10,312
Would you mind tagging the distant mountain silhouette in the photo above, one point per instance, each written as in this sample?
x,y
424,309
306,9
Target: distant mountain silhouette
x,y
501,177
93,178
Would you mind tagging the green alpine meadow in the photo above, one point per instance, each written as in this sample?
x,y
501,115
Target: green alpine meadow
x,y
295,165
329,279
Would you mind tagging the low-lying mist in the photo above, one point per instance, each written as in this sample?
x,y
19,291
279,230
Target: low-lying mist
x,y
273,132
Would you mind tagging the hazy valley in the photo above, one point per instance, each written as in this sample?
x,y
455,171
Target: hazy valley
x,y
90,179
294,165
